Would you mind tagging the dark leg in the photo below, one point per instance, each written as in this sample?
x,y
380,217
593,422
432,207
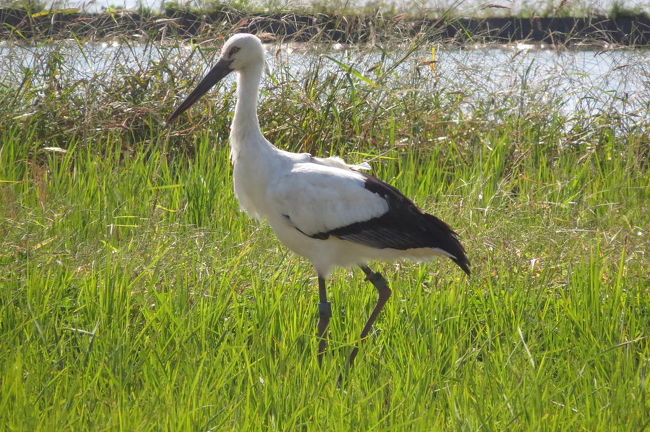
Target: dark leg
x,y
324,314
384,294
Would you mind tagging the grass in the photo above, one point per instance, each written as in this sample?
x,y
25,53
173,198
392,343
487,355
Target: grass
x,y
135,296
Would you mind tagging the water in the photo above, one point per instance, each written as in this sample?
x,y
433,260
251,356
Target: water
x,y
465,6
579,82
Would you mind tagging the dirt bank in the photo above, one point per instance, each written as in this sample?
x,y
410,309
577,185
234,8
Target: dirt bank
x,y
18,24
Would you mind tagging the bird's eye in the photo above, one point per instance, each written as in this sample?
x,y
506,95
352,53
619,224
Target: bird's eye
x,y
233,51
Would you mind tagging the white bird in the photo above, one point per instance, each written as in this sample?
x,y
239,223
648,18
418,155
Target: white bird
x,y
321,208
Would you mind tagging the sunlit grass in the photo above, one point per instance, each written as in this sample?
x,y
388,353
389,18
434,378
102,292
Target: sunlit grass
x,y
135,296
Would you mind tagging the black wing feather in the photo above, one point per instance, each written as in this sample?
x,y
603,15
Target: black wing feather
x,y
403,226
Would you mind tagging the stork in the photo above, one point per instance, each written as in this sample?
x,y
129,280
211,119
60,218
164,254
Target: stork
x,y
321,208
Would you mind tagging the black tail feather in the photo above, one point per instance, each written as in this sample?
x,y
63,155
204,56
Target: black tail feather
x,y
440,235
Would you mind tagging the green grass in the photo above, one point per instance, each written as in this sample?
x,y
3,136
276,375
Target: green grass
x,y
135,296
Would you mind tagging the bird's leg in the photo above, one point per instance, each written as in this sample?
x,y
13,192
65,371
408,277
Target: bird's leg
x,y
384,291
324,314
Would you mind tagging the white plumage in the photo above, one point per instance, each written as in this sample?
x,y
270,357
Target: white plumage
x,y
321,208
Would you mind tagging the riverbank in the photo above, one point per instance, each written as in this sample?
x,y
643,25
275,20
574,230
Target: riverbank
x,y
20,24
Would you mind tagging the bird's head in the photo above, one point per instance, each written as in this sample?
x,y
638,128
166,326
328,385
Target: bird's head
x,y
240,52
243,50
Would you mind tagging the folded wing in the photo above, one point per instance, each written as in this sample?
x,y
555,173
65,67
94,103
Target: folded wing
x,y
322,201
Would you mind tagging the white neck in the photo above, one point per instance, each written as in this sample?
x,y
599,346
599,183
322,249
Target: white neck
x,y
245,127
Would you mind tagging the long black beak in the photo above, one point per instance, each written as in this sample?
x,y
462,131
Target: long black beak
x,y
216,74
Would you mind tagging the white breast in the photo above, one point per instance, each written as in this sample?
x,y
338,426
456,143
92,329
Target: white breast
x,y
256,168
